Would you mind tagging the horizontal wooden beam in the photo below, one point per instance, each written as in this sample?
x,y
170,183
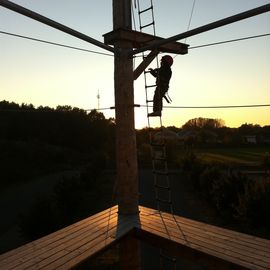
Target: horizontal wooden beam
x,y
33,15
140,39
207,27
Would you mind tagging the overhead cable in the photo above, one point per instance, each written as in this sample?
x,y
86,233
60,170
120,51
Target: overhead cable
x,y
196,107
228,41
96,52
53,43
215,107
142,106
190,18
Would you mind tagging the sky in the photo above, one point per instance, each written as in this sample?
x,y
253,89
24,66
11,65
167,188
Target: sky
x,y
236,73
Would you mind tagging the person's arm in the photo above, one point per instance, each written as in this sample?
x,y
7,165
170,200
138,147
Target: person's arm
x,y
154,72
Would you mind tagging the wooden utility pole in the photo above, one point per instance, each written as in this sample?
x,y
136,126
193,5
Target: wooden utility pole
x,y
126,153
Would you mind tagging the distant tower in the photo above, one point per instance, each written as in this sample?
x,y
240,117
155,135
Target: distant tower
x,y
98,98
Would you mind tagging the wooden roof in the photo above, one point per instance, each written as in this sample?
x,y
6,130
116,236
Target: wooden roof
x,y
209,245
140,39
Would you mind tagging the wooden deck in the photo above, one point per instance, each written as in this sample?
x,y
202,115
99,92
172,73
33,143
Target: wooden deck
x,y
70,246
215,247
212,246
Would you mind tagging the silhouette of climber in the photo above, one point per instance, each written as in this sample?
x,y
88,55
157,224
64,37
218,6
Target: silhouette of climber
x,y
163,76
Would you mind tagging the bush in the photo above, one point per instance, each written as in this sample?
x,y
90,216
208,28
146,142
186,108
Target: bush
x,y
73,199
254,204
41,220
266,161
193,167
227,190
209,179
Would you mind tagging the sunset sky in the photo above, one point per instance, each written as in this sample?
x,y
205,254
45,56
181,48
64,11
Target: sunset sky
x,y
236,73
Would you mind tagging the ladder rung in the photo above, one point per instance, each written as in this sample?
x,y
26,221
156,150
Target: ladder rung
x,y
162,187
157,144
147,71
147,25
148,86
148,101
142,11
167,257
161,172
159,158
164,201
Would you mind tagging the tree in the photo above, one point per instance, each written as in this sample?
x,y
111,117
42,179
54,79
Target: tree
x,y
208,123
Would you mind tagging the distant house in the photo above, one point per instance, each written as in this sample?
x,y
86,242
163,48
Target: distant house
x,y
187,134
200,136
250,139
166,135
188,137
265,139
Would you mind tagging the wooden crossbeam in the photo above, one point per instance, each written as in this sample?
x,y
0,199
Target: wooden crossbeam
x,y
140,39
144,64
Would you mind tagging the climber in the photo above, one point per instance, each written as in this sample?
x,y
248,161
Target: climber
x,y
163,76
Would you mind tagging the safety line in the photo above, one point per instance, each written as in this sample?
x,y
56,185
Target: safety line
x,y
191,15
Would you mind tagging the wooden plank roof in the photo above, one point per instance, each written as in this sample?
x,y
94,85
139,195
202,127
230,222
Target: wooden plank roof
x,y
215,247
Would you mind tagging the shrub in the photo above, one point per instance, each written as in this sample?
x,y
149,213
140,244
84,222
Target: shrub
x,y
42,219
254,204
193,167
207,180
266,161
223,188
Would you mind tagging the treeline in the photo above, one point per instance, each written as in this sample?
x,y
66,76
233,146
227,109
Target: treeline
x,y
214,131
207,131
39,141
64,126
34,141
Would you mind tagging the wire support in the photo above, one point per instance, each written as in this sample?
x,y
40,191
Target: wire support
x,y
228,41
54,43
214,107
135,56
190,18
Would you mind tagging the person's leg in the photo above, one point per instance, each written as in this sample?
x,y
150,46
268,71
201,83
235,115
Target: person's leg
x,y
157,107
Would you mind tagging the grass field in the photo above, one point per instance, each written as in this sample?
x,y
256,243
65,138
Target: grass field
x,y
239,156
